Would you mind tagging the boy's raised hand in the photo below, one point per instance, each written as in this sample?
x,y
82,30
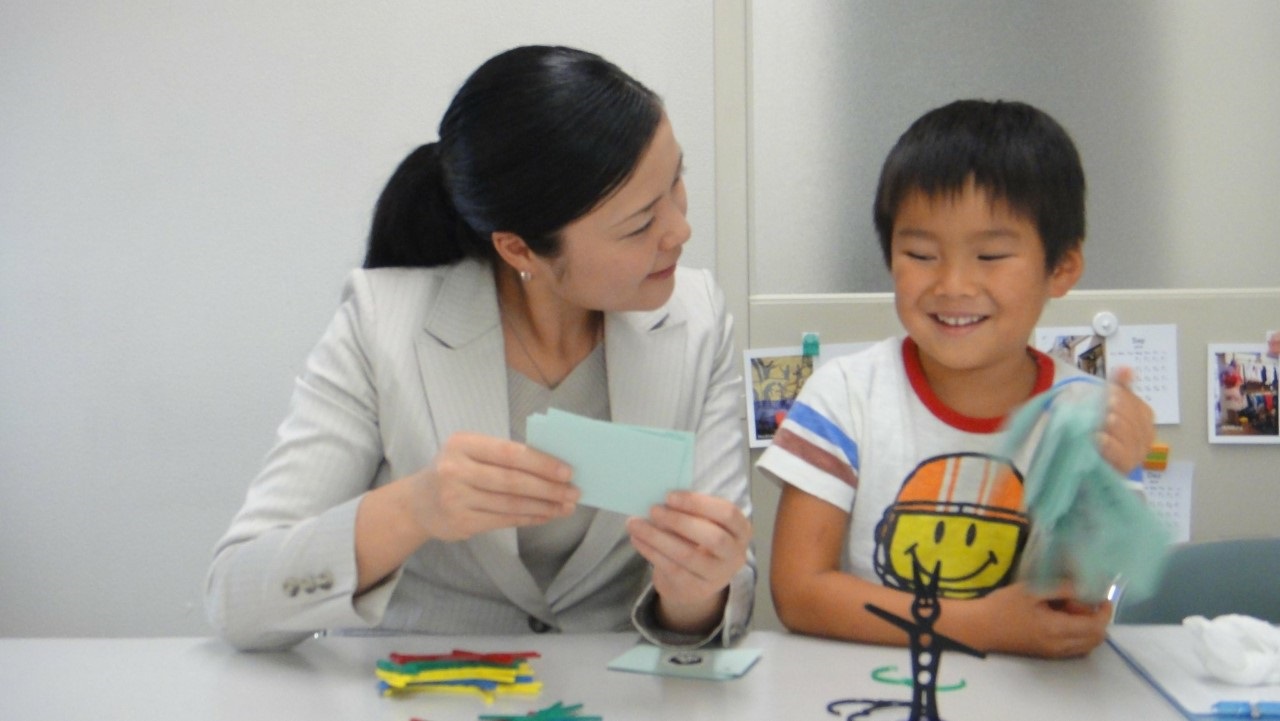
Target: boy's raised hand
x,y
1129,428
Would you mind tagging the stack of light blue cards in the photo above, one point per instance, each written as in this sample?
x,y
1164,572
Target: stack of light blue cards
x,y
718,664
627,469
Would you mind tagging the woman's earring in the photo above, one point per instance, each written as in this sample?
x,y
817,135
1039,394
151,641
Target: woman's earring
x,y
525,275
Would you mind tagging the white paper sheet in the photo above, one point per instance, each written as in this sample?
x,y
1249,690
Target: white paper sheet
x,y
1169,662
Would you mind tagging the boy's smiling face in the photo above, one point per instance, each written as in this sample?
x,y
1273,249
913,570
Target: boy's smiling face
x,y
970,282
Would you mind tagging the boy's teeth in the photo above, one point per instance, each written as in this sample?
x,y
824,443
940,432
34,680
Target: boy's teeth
x,y
959,320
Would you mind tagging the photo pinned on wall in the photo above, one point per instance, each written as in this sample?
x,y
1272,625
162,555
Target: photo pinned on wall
x,y
1273,344
1243,393
774,377
1087,351
1150,350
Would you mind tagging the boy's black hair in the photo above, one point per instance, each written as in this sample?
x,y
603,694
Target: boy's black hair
x,y
1013,151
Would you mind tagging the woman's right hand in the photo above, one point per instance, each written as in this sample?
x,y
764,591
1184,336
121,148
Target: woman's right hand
x,y
477,483
480,483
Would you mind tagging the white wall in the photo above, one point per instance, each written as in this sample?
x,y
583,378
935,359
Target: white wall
x,y
1173,105
183,186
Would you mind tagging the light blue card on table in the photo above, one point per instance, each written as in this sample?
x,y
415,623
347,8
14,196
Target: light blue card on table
x,y
618,467
716,664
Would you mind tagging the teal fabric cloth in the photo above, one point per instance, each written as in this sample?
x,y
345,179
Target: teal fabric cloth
x,y
1087,524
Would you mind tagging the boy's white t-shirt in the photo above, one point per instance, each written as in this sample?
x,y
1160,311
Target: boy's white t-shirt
x,y
922,483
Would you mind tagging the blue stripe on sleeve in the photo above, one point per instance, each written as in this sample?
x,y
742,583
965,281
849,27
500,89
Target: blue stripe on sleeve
x,y
816,423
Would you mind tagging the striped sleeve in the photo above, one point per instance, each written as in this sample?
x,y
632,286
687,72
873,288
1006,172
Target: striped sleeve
x,y
814,449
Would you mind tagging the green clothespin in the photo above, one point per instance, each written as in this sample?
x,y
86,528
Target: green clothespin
x,y
809,351
809,345
555,712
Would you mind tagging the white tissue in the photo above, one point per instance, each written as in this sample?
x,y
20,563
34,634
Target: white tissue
x,y
1240,650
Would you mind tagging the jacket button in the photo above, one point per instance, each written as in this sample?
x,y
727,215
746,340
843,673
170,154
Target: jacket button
x,y
537,625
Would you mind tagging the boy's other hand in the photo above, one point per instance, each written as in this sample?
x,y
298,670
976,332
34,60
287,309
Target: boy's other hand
x,y
1047,625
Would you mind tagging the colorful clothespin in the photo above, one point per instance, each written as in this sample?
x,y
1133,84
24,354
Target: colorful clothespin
x,y
503,657
555,712
810,346
1157,457
487,675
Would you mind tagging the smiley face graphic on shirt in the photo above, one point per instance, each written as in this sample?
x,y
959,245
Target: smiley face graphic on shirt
x,y
958,516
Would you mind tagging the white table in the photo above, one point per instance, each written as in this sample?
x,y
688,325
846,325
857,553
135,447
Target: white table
x,y
192,679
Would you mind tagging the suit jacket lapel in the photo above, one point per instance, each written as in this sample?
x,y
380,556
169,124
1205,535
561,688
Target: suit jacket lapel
x,y
644,357
461,360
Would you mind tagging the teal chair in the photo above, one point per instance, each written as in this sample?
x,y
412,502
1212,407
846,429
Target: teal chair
x,y
1210,579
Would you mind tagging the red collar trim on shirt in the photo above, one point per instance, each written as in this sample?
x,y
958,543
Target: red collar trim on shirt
x,y
948,415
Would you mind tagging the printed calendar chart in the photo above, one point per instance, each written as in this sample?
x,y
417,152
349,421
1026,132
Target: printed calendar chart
x,y
1150,350
1168,493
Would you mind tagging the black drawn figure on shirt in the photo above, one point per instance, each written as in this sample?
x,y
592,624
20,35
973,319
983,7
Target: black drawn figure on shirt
x,y
926,647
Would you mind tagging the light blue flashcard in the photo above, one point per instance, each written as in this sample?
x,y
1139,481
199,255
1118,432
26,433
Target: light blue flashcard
x,y
622,468
716,664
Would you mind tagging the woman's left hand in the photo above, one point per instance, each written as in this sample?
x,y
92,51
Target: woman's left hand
x,y
695,543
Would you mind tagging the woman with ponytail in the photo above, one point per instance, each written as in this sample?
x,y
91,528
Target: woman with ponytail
x,y
525,260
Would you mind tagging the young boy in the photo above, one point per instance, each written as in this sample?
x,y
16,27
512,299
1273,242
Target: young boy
x,y
888,456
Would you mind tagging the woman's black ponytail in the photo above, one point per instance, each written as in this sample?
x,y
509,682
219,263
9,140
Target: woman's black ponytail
x,y
414,222
536,137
